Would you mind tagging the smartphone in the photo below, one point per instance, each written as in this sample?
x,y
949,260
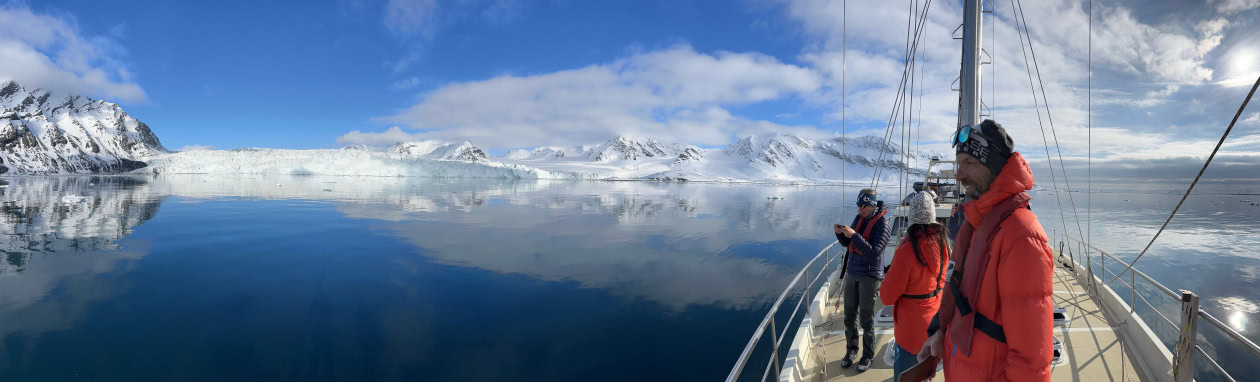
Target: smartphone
x,y
920,372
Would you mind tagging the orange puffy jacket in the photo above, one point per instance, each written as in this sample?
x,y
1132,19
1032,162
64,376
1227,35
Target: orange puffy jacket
x,y
1015,292
906,276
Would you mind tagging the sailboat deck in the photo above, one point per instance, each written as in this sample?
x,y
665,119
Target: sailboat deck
x,y
1092,348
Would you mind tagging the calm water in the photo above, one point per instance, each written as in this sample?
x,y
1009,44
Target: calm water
x,y
1212,247
310,278
305,278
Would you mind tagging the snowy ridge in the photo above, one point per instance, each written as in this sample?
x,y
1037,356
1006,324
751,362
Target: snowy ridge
x,y
631,148
537,154
340,162
43,133
774,159
438,150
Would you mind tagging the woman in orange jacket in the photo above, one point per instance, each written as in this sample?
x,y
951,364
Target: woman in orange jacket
x,y
915,279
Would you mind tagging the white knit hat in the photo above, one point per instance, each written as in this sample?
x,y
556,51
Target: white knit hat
x,y
922,209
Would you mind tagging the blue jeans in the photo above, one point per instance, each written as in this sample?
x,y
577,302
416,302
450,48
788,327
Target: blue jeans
x,y
904,361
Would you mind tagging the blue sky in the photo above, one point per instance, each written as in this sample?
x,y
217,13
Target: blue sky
x,y
299,74
516,74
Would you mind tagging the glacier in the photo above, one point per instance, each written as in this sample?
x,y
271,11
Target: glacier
x,y
777,158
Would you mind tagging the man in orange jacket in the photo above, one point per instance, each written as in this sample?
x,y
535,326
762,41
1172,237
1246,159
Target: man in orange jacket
x,y
996,317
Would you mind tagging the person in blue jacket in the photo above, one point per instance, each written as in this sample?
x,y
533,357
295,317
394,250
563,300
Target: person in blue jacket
x,y
865,241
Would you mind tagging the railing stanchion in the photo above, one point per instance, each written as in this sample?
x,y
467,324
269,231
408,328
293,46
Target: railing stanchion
x,y
1183,360
1132,293
774,353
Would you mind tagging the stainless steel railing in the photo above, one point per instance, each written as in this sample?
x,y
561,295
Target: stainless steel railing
x,y
769,322
1134,296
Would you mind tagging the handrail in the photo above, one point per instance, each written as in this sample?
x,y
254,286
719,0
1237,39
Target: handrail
x,y
769,320
1229,332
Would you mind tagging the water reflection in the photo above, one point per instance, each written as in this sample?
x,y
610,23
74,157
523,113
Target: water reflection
x,y
1237,311
1238,321
626,236
391,278
677,245
59,235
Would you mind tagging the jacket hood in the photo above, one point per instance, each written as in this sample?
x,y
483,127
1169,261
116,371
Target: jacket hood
x,y
1015,177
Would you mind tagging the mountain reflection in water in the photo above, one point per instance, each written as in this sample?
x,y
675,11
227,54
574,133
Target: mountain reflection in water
x,y
307,278
369,278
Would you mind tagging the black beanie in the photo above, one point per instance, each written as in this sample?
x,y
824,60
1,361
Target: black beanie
x,y
991,147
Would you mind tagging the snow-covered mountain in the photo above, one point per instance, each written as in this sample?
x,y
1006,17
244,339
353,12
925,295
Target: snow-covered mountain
x,y
785,154
775,158
632,148
440,150
46,133
538,153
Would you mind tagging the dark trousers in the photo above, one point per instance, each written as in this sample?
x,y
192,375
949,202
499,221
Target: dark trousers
x,y
859,302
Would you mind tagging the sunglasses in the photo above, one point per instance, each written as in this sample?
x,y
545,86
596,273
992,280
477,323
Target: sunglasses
x,y
961,135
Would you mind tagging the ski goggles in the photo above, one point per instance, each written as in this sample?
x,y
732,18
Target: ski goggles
x,y
961,135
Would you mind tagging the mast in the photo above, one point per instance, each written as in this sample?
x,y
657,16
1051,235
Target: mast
x,y
969,82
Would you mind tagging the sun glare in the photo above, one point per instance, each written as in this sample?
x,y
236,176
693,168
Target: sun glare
x,y
1244,62
1238,320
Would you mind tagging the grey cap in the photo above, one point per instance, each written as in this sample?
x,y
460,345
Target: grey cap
x,y
922,209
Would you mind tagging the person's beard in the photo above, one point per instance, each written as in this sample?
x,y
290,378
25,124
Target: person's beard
x,y
974,189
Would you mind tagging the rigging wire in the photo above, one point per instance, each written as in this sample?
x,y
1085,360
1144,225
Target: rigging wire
x,y
908,121
901,179
919,126
897,103
907,118
844,53
1062,168
887,140
1196,179
1028,68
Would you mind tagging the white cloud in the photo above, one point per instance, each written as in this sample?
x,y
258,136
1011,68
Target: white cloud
x,y
410,17
1253,119
417,22
388,137
1161,52
1241,80
46,51
407,83
1150,99
196,148
1230,7
1126,51
680,95
673,94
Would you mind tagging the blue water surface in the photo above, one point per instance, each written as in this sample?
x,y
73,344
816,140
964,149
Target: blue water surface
x,y
309,278
213,278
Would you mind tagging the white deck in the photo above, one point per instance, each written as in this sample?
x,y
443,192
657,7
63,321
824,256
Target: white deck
x,y
1096,345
